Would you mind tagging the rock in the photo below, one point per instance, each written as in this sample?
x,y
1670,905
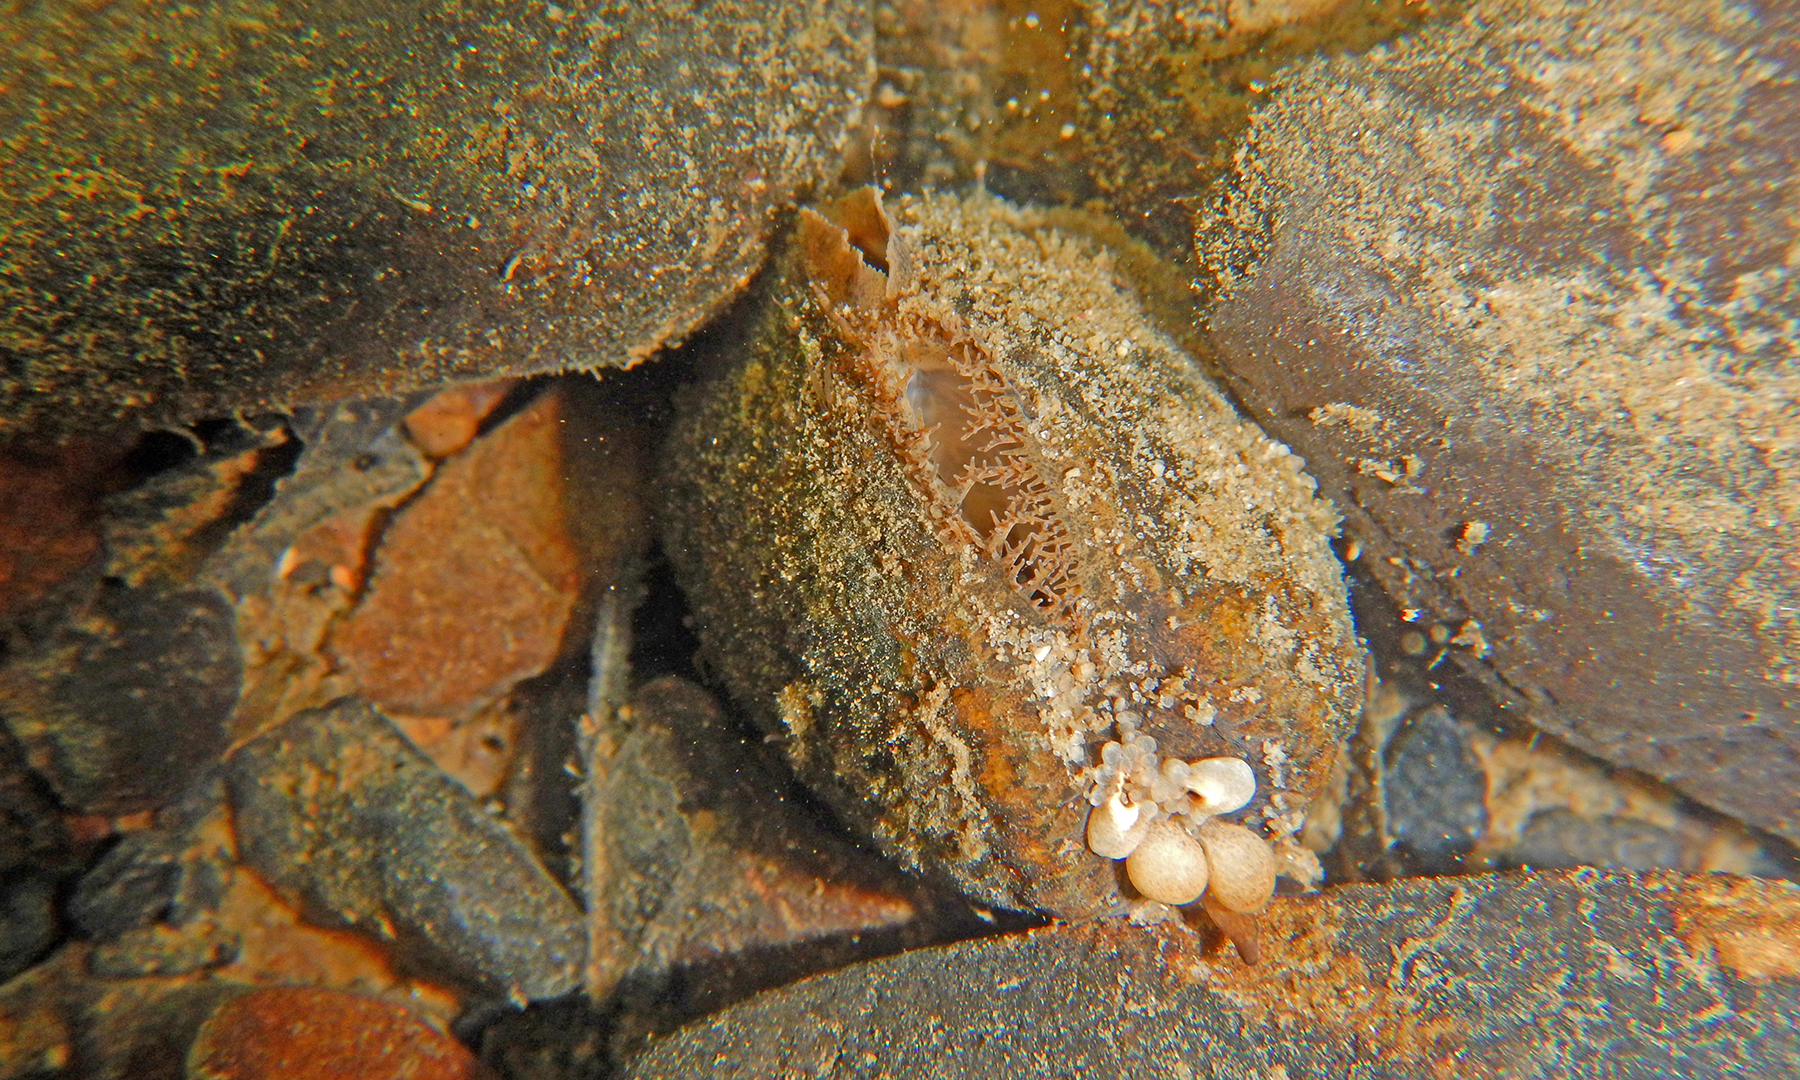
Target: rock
x,y
48,521
1428,792
1583,974
58,1020
174,872
28,920
299,564
35,1036
164,950
307,1034
128,699
250,205
1435,791
476,579
1122,107
336,809
213,478
33,832
1513,289
1558,838
352,456
710,873
450,420
37,856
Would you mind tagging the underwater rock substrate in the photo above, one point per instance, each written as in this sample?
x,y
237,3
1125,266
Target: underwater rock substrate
x,y
337,810
952,513
244,204
1515,288
1578,973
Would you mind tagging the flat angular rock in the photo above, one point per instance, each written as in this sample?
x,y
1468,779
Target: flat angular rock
x,y
335,808
475,579
177,871
708,870
252,203
1568,974
1517,290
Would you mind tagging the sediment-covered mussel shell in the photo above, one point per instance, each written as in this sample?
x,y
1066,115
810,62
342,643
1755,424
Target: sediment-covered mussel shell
x,y
952,514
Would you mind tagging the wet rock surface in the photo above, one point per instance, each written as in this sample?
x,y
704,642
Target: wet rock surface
x,y
477,578
710,873
324,1035
174,872
29,922
1440,779
123,693
262,203
1691,976
1435,791
36,857
49,526
1508,288
403,872
127,701
337,809
1130,108
709,861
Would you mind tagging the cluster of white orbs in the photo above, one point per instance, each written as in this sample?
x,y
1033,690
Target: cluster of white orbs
x,y
1160,816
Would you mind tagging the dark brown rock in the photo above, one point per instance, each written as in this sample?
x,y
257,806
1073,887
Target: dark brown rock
x,y
709,871
1583,974
122,705
1515,289
337,810
48,521
248,203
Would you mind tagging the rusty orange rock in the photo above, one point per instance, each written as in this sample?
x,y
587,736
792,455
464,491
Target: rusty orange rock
x,y
303,1033
475,580
449,421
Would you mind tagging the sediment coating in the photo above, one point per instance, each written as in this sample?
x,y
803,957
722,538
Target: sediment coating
x,y
1523,288
254,203
950,510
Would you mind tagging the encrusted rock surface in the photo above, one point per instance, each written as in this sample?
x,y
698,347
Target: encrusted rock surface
x,y
1582,974
254,203
1521,291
